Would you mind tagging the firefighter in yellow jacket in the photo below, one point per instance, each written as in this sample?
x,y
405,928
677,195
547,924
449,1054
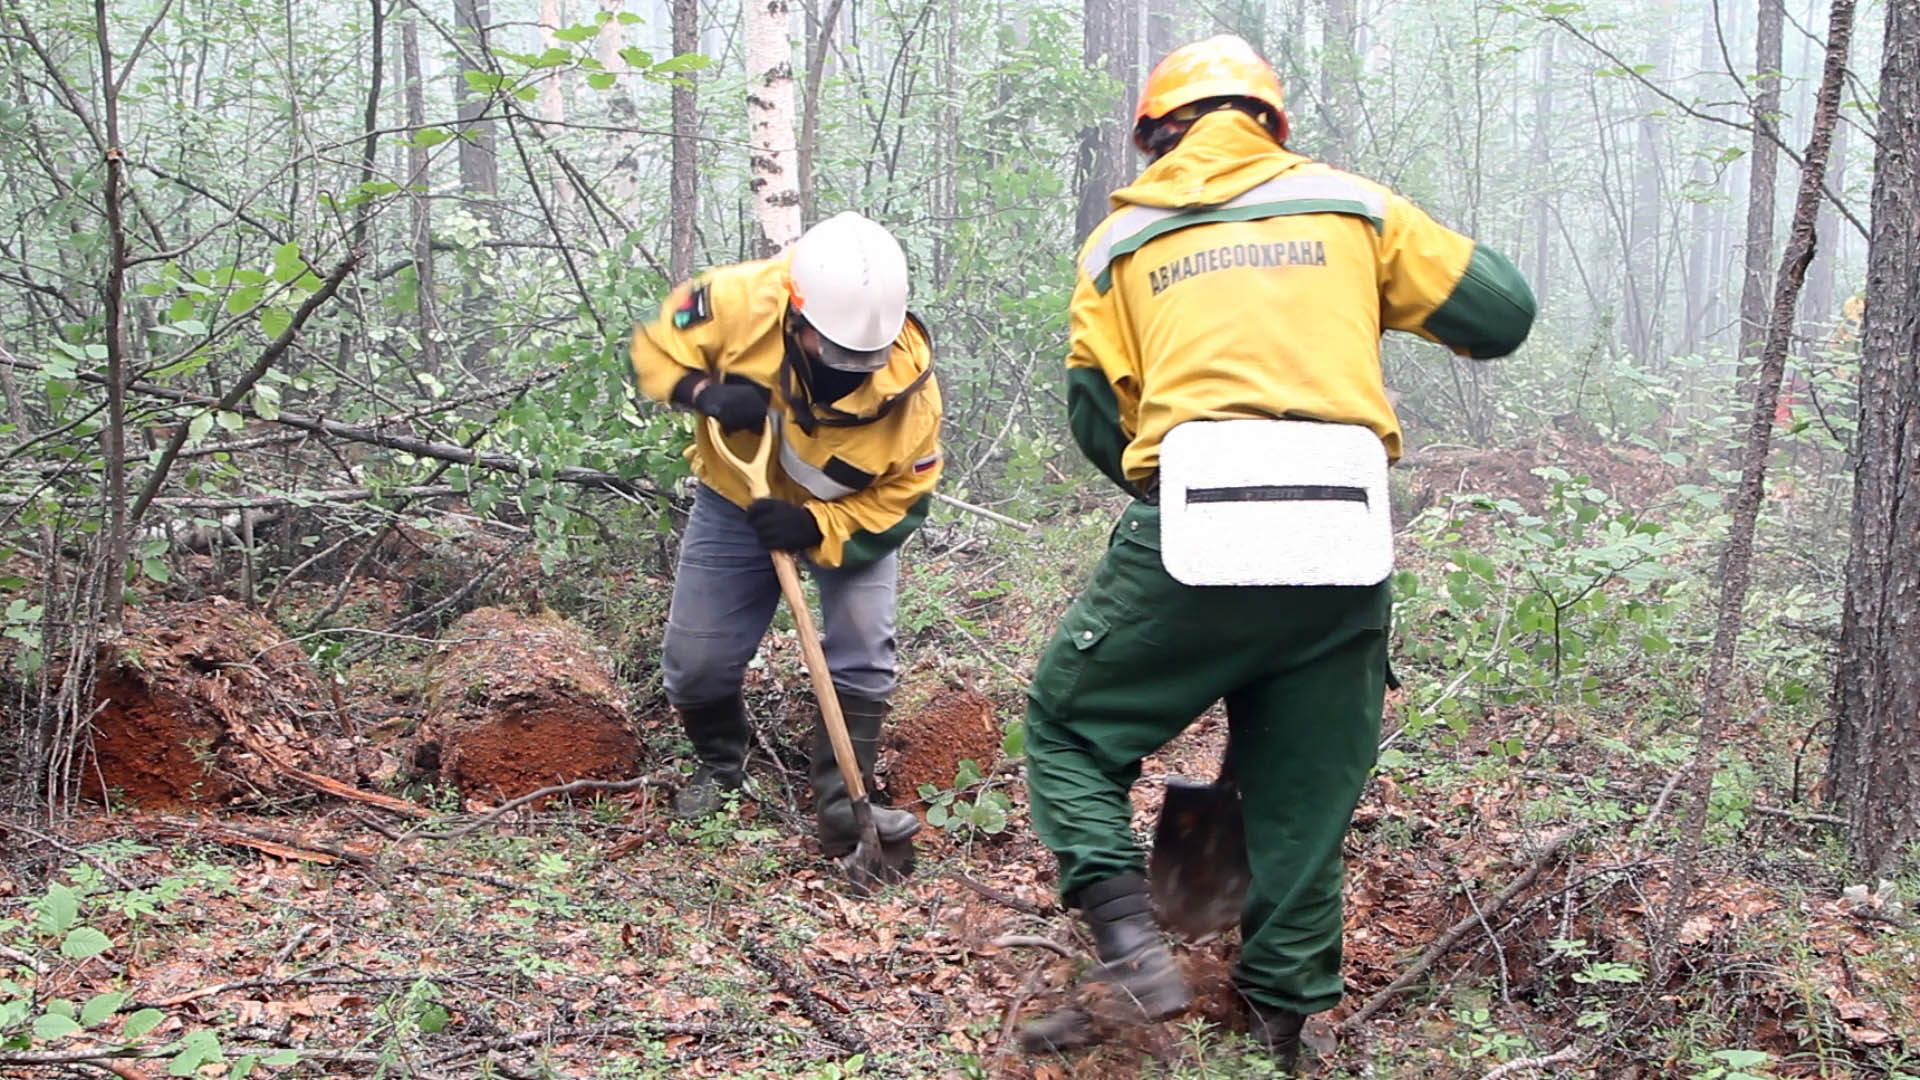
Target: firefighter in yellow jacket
x,y
1235,298
817,349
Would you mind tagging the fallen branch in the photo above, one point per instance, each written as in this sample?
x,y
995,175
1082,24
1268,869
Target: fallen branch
x,y
1566,1055
270,981
1031,530
1025,907
844,1035
267,841
511,805
1446,942
327,785
1032,941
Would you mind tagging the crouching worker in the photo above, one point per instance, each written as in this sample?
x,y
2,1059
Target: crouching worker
x,y
814,348
1224,370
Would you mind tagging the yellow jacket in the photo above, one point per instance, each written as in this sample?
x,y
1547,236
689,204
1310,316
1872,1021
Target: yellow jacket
x,y
1235,278
865,466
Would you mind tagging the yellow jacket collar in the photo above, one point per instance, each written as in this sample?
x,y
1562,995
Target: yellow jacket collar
x,y
1223,155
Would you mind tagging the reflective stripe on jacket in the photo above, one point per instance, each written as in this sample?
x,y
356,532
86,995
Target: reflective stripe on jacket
x,y
867,481
1235,278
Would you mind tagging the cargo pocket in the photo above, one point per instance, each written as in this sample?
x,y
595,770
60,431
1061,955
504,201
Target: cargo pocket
x,y
1061,666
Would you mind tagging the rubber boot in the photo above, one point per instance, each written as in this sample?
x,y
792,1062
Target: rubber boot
x,y
1278,1031
1136,969
832,806
718,731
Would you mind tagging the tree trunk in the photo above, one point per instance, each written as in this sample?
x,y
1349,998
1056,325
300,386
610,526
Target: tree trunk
x,y
685,176
1103,145
1543,166
479,168
1875,762
1821,309
419,205
1764,164
1336,66
1160,40
625,175
770,128
553,95
1702,273
1736,563
819,44
520,703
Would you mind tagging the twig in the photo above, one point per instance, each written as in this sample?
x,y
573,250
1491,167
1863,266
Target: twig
x,y
471,875
1446,941
268,981
847,1036
97,864
1499,951
327,785
1032,941
1808,816
1564,1056
511,805
1031,530
1025,907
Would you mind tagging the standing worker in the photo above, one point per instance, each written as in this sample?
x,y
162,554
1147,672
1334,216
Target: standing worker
x,y
1237,290
814,348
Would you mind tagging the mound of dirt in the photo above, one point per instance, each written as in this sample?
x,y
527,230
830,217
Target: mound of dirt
x,y
519,703
933,736
199,703
1634,475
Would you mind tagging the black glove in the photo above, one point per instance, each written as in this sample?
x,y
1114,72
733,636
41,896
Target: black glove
x,y
737,407
782,526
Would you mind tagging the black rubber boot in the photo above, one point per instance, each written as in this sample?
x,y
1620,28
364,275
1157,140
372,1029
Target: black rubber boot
x,y
718,731
1136,971
1134,958
832,807
1278,1030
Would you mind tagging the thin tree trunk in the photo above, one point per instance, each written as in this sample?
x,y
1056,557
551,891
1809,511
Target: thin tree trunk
x,y
770,128
113,436
1764,164
1160,40
479,167
1736,563
1336,62
625,115
419,205
553,90
685,178
1543,167
819,40
1875,760
1102,160
1821,308
1701,271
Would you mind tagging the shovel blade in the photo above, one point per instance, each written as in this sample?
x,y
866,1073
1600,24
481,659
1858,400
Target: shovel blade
x,y
1197,873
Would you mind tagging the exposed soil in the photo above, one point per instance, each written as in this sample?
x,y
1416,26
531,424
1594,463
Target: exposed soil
x,y
1632,474
521,702
932,737
191,699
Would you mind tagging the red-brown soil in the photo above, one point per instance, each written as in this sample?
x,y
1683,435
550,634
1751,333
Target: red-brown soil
x,y
931,739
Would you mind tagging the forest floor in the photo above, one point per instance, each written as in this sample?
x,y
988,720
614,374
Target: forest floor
x,y
1507,877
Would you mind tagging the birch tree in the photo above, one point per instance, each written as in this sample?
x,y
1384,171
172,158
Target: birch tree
x,y
775,182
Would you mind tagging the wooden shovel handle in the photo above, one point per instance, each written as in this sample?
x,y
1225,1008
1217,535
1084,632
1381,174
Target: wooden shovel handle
x,y
785,568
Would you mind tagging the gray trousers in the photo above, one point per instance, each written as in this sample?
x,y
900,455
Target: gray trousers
x,y
724,594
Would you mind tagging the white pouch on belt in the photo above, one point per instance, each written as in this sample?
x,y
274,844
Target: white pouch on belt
x,y
1274,502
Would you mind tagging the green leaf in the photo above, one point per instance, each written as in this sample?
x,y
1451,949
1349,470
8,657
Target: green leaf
x,y
198,427
684,62
266,401
484,82
601,80
101,1006
243,1066
576,34
199,1048
232,421
244,299
428,138
140,1023
937,815
283,1057
434,1018
287,263
156,568
60,910
84,942
639,58
274,322
49,1027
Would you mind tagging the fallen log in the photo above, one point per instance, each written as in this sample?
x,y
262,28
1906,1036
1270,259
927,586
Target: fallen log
x,y
517,703
189,697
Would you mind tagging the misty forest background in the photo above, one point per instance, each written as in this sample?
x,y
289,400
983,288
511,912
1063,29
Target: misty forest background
x,y
317,312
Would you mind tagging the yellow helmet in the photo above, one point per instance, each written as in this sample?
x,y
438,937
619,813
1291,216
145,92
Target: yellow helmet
x,y
1223,66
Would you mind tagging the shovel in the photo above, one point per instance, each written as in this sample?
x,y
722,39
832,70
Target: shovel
x,y
1197,873
870,863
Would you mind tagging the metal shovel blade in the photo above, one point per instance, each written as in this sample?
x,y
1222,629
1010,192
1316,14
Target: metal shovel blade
x,y
1197,873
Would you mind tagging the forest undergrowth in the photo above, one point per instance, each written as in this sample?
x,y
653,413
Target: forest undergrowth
x,y
1508,866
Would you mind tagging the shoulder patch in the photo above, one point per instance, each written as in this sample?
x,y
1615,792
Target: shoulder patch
x,y
695,309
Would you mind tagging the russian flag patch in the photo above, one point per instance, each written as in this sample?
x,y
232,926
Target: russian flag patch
x,y
927,463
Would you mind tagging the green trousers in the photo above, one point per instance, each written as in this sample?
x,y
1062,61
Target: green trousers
x,y
1137,659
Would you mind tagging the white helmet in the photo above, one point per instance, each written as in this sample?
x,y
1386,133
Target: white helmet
x,y
848,279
